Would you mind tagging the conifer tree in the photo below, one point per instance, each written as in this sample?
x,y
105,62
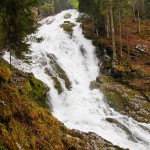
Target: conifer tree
x,y
16,21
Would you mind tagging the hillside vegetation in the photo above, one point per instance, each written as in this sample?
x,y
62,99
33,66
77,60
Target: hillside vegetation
x,y
25,118
26,121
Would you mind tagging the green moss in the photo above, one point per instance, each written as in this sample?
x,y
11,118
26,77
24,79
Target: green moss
x,y
68,27
24,121
114,99
5,73
2,147
126,100
37,90
105,79
57,84
122,68
59,71
67,16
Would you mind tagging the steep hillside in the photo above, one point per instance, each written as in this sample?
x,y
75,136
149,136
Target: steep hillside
x,y
26,121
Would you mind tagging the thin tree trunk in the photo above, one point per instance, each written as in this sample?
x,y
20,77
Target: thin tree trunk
x,y
139,21
10,61
120,28
134,16
128,50
113,33
97,32
127,42
107,23
93,22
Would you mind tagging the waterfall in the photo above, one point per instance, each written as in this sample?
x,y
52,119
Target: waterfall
x,y
67,64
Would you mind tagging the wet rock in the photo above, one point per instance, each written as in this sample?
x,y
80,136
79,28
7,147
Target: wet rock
x,y
125,100
96,142
94,85
148,97
58,70
68,27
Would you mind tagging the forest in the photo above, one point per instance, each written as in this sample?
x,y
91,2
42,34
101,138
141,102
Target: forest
x,y
111,18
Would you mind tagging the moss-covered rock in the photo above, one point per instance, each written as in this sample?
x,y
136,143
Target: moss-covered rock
x,y
124,99
59,71
37,90
68,27
67,16
57,84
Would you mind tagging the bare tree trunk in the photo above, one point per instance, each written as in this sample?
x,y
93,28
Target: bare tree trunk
x,y
134,16
139,20
127,42
97,32
113,33
93,22
120,28
107,23
128,50
144,7
10,61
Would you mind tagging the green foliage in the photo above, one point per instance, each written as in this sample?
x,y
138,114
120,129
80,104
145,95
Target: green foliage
x,y
2,147
17,21
74,3
47,8
60,5
67,16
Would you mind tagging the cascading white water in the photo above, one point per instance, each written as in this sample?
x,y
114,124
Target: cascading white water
x,y
79,108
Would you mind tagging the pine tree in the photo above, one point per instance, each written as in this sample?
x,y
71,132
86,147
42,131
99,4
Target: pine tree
x,y
16,22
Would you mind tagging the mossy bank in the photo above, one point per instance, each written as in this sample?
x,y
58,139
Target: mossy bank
x,y
26,121
124,99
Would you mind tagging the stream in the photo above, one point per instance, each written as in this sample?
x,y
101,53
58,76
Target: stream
x,y
71,61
